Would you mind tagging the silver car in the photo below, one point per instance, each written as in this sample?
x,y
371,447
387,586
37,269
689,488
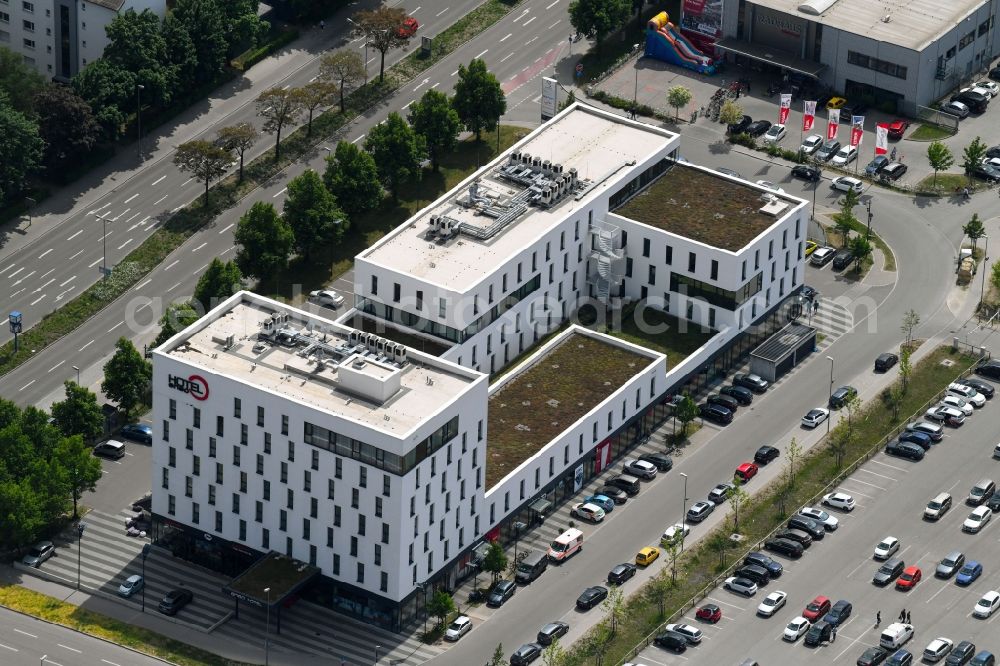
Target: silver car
x,y
951,563
40,552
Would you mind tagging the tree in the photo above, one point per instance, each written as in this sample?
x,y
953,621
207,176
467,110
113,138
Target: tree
x,y
495,561
975,230
672,552
862,249
910,321
82,469
569,101
554,654
182,56
973,156
136,44
177,317
204,160
738,499
206,25
312,213
441,605
218,282
498,659
20,81
239,139
845,220
126,376
108,89
595,19
686,411
352,177
853,407
838,444
940,158
658,589
793,454
614,607
79,413
312,96
433,118
20,150
278,108
66,124
905,366
344,69
380,28
892,398
242,24
264,241
678,97
479,99
730,113
720,544
397,151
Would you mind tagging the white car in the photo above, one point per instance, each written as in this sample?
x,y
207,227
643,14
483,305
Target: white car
x,y
675,531
815,416
640,468
588,511
944,412
327,297
811,144
886,547
845,183
460,627
845,156
841,501
775,134
740,585
772,603
821,256
967,393
976,88
828,522
692,634
771,186
937,649
992,86
977,519
986,606
993,162
131,585
796,629
955,402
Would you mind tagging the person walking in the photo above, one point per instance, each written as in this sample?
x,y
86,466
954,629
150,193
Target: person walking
x,y
908,620
833,634
878,618
902,615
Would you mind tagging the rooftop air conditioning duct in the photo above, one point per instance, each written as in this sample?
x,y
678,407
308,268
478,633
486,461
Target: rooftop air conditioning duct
x,y
526,158
546,165
536,162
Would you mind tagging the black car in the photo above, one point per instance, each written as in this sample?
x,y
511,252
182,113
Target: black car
x,y
856,109
621,573
625,482
876,165
888,572
842,259
961,654
976,102
738,393
613,493
821,632
766,454
591,597
741,126
904,450
839,613
500,593
755,573
138,432
525,654
175,600
982,387
753,382
987,172
808,525
994,502
840,397
716,413
732,404
827,151
662,461
671,640
807,172
990,370
758,127
808,292
551,631
774,568
921,439
885,361
873,656
785,547
795,535
993,151
893,171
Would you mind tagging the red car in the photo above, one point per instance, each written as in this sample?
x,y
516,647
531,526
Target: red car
x,y
816,609
908,579
709,613
897,128
408,29
746,471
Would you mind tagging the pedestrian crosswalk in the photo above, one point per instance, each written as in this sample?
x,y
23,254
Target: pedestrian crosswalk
x,y
832,320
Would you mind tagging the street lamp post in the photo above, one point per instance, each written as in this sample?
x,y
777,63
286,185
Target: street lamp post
x,y
104,238
31,202
830,397
870,216
267,627
145,552
635,93
982,267
80,527
684,510
77,375
138,116
358,27
816,187
377,648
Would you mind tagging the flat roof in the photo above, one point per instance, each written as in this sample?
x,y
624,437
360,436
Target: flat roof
x,y
313,361
912,24
705,206
600,146
559,386
280,574
783,342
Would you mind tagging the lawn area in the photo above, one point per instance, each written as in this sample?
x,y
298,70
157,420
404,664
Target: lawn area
x,y
659,331
876,240
145,641
331,262
699,568
949,183
929,132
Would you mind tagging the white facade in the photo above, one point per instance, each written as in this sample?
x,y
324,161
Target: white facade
x,y
60,37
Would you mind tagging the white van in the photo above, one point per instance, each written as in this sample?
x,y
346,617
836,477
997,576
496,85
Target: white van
x,y
566,545
896,635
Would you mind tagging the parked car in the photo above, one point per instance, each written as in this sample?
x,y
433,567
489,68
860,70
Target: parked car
x,y
766,454
969,573
699,511
836,103
909,578
626,482
773,568
937,649
616,494
718,399
501,593
807,172
716,413
841,396
951,400
843,259
799,536
885,362
772,603
961,653
131,585
983,388
753,382
740,394
551,631
671,640
949,564
987,604
587,511
621,573
796,629
845,155
720,493
811,246
743,586
111,449
38,554
602,501
525,654
459,627
983,658
847,183
692,634
947,415
758,128
822,256
893,171
920,439
591,597
905,450
990,369
873,656
887,547
710,613
816,608
876,165
957,109
986,172
897,128
741,126
977,520
640,468
839,613
138,432
841,501
807,525
327,297
888,572
661,461
932,430
811,144
675,532
775,134
646,556
827,150
829,523
175,600
746,471
995,73
786,547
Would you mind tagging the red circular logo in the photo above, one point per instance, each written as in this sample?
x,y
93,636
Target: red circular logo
x,y
199,387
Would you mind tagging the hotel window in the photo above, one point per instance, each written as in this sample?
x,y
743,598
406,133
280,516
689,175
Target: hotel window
x,y
211,495
236,503
188,486
28,7
219,429
652,275
442,308
173,409
196,418
171,504
260,417
172,456
196,466
645,247
218,521
692,262
715,270
284,424
211,447
258,512
237,408
244,434
165,483
195,513
670,255
420,300
374,285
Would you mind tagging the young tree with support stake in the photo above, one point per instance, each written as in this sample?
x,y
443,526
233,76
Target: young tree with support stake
x,y
975,230
278,108
239,138
678,97
344,69
940,158
204,160
441,605
973,156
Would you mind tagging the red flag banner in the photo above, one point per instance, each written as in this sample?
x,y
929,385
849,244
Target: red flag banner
x,y
881,138
857,130
834,122
808,116
786,105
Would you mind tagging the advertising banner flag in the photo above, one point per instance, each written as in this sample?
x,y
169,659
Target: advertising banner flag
x,y
834,122
857,130
808,116
881,138
786,105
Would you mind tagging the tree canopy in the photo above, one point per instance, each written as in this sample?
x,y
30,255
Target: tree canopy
x,y
595,19
278,107
177,317
136,45
264,240
344,69
20,150
79,413
127,376
239,138
397,151
380,27
204,160
18,80
479,99
312,213
218,282
352,176
66,124
433,118
205,23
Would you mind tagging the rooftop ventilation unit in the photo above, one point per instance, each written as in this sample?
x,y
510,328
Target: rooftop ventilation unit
x,y
525,158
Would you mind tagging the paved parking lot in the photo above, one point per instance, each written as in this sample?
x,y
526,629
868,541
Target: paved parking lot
x,y
891,495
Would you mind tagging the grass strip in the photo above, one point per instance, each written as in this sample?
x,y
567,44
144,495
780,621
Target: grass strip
x,y
861,229
929,132
700,567
142,640
949,183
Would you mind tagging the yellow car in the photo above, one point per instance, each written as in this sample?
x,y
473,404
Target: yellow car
x,y
836,103
811,247
646,556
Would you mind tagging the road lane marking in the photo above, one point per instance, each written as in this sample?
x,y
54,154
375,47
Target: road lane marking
x,y
12,265
174,287
38,300
506,57
504,39
358,139
115,326
485,51
25,277
25,633
16,272
115,219
7,647
525,24
172,264
421,85
77,254
313,78
533,39
414,11
143,285
111,663
177,209
46,284
855,569
133,217
186,182
21,389
408,104
75,235
228,228
199,247
551,5
85,346
44,253
442,11
135,195
69,648
68,281
278,194
435,85
554,24
727,603
125,243
95,262
157,181
18,292
287,87
155,203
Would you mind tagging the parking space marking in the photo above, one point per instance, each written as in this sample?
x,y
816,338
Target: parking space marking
x,y
900,469
952,486
720,601
858,492
867,484
25,633
937,593
868,471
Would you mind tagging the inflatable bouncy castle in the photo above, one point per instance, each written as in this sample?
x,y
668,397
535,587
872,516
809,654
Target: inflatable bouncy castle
x,y
665,42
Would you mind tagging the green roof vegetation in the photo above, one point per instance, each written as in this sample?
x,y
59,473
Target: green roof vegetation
x,y
659,331
276,571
